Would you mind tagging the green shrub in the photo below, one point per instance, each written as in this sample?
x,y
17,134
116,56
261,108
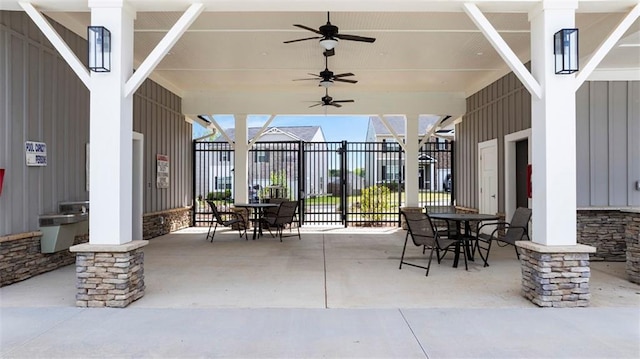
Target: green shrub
x,y
374,200
219,195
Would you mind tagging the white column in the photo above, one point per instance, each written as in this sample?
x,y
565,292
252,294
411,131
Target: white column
x,y
412,137
553,126
111,124
241,167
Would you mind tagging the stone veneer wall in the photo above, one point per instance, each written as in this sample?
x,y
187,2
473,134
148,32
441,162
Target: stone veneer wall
x,y
553,277
109,276
20,257
633,246
605,230
160,223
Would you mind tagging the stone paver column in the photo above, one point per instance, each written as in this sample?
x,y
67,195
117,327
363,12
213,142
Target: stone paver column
x,y
109,275
555,276
632,234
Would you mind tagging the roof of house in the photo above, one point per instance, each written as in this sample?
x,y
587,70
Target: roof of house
x,y
397,123
304,133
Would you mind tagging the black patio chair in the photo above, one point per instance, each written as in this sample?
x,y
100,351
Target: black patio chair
x,y
225,219
505,233
424,234
271,213
286,215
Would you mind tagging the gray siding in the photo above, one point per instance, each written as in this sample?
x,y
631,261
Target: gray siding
x,y
41,99
608,144
157,114
497,110
608,139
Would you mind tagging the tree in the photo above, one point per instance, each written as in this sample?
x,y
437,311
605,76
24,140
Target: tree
x,y
360,172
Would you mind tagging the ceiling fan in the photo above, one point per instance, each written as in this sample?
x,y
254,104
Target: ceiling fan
x,y
330,36
329,101
327,77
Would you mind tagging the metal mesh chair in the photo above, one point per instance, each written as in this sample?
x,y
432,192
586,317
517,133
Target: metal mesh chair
x,y
286,215
225,219
423,234
516,230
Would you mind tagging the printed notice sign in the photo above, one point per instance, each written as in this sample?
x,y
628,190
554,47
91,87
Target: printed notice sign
x,y
36,153
162,171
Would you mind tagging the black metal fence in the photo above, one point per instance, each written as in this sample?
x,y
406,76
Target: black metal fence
x,y
339,183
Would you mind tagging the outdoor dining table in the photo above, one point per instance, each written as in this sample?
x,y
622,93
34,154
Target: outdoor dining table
x,y
467,218
257,214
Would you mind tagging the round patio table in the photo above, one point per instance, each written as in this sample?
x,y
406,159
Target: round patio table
x,y
462,239
257,214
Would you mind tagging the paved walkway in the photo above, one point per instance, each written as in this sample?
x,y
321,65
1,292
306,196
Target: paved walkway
x,y
334,294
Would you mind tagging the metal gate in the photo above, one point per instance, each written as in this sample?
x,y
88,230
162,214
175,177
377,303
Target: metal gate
x,y
339,183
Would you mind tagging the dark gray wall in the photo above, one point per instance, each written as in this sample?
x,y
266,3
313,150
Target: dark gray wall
x,y
41,99
608,139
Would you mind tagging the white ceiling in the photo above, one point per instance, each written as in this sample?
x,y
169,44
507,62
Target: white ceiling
x,y
241,54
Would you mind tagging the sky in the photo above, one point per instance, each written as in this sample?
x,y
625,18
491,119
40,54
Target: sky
x,y
335,128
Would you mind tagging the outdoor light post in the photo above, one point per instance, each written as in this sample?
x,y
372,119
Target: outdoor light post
x,y
99,48
566,51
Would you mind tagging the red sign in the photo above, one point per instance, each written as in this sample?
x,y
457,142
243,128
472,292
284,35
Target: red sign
x,y
529,181
1,178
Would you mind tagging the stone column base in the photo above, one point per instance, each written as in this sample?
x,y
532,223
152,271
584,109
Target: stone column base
x,y
555,276
109,275
408,210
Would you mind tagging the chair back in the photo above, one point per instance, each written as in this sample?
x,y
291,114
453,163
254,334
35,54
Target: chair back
x,y
518,226
286,212
214,210
420,228
272,212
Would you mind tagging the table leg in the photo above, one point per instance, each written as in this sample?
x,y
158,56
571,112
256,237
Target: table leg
x,y
457,249
255,223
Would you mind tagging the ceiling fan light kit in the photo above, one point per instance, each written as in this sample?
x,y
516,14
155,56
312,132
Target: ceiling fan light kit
x,y
326,83
328,44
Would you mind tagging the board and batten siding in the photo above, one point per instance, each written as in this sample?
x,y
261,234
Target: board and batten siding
x,y
607,143
157,114
499,109
41,99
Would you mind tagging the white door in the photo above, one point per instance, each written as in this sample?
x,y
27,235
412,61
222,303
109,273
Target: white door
x,y
488,176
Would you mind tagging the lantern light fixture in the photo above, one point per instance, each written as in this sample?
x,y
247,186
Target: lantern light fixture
x,y
566,51
99,48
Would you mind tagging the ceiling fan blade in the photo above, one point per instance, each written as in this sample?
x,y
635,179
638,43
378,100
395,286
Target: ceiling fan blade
x,y
344,75
307,28
343,101
308,38
346,80
355,38
304,79
334,104
318,104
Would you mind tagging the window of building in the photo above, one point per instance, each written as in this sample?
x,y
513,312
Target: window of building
x,y
224,156
223,183
261,156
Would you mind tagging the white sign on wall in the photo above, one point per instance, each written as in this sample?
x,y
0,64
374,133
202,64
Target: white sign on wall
x,y
162,171
36,153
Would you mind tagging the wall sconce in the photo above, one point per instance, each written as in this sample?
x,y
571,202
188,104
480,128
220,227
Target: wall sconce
x,y
566,51
99,48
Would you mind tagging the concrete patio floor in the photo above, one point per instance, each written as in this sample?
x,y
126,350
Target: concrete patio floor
x,y
335,293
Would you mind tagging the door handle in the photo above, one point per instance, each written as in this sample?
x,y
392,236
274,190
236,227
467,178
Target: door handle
x,y
493,196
